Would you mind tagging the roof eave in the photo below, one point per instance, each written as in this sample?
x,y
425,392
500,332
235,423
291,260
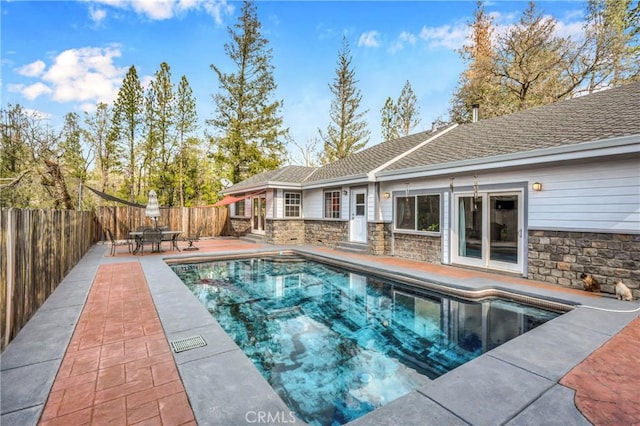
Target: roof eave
x,y
599,148
362,178
261,186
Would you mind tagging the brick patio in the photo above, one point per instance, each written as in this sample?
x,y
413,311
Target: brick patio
x,y
118,367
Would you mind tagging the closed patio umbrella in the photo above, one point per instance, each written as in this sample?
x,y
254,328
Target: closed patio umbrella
x,y
153,208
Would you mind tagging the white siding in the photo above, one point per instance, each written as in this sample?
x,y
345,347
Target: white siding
x,y
444,229
371,202
312,204
597,196
345,203
271,201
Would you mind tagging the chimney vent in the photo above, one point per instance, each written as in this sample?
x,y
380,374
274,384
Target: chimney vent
x,y
476,108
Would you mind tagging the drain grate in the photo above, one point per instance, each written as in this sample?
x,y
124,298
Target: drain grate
x,y
187,343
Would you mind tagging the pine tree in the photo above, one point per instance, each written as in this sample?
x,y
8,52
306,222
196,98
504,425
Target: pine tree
x,y
186,123
127,119
161,148
407,110
15,154
388,115
248,122
98,136
348,131
73,153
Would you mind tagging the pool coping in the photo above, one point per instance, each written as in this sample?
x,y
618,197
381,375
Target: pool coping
x,y
516,383
512,384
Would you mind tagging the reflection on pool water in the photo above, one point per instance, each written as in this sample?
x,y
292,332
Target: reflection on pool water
x,y
336,344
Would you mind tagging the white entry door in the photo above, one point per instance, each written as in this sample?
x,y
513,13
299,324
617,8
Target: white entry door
x,y
487,230
358,222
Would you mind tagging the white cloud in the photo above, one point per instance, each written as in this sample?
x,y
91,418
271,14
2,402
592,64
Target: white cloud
x,y
445,36
217,9
368,39
154,9
31,91
34,69
404,38
575,30
86,75
35,90
97,15
166,9
37,114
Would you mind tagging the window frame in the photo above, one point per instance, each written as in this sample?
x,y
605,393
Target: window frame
x,y
336,195
236,211
288,205
415,213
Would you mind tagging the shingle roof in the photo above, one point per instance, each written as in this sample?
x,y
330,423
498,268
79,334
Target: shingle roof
x,y
369,159
603,115
288,174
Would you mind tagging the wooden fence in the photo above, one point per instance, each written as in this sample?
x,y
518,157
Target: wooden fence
x,y
37,249
122,219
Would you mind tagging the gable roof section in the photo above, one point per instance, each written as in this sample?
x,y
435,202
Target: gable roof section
x,y
359,164
604,115
292,175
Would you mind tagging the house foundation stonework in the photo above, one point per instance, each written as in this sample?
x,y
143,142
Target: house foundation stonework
x,y
239,226
560,257
287,231
326,233
418,247
379,237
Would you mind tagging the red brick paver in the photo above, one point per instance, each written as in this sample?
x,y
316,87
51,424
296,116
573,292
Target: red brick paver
x,y
607,383
118,367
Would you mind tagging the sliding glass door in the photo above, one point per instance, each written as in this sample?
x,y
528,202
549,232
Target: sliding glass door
x,y
258,214
470,223
504,229
488,230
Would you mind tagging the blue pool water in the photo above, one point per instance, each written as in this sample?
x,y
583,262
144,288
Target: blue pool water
x,y
335,344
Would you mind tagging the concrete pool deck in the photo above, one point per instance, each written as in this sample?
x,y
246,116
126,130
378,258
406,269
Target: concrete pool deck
x,y
528,380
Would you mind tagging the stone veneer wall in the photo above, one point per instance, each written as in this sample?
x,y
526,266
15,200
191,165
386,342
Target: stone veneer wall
x,y
418,247
560,257
326,232
239,226
379,237
285,231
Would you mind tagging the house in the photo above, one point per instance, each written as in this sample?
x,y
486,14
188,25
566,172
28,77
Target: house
x,y
548,193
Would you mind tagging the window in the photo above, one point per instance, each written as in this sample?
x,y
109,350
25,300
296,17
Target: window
x,y
418,213
239,208
332,205
292,203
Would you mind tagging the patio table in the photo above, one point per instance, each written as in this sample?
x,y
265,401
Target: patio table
x,y
167,235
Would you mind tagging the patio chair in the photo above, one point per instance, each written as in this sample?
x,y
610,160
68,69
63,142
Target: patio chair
x,y
191,238
115,243
151,237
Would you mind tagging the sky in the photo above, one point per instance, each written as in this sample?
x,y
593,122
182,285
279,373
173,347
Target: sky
x,y
66,56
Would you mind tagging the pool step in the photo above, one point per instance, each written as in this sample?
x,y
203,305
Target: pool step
x,y
253,238
358,248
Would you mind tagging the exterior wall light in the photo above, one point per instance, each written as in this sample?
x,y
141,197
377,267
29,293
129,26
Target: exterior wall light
x,y
387,195
536,186
345,192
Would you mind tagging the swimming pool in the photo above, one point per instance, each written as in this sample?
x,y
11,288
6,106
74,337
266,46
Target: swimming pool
x,y
335,344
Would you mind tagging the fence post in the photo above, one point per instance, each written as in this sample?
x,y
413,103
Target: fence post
x,y
10,259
